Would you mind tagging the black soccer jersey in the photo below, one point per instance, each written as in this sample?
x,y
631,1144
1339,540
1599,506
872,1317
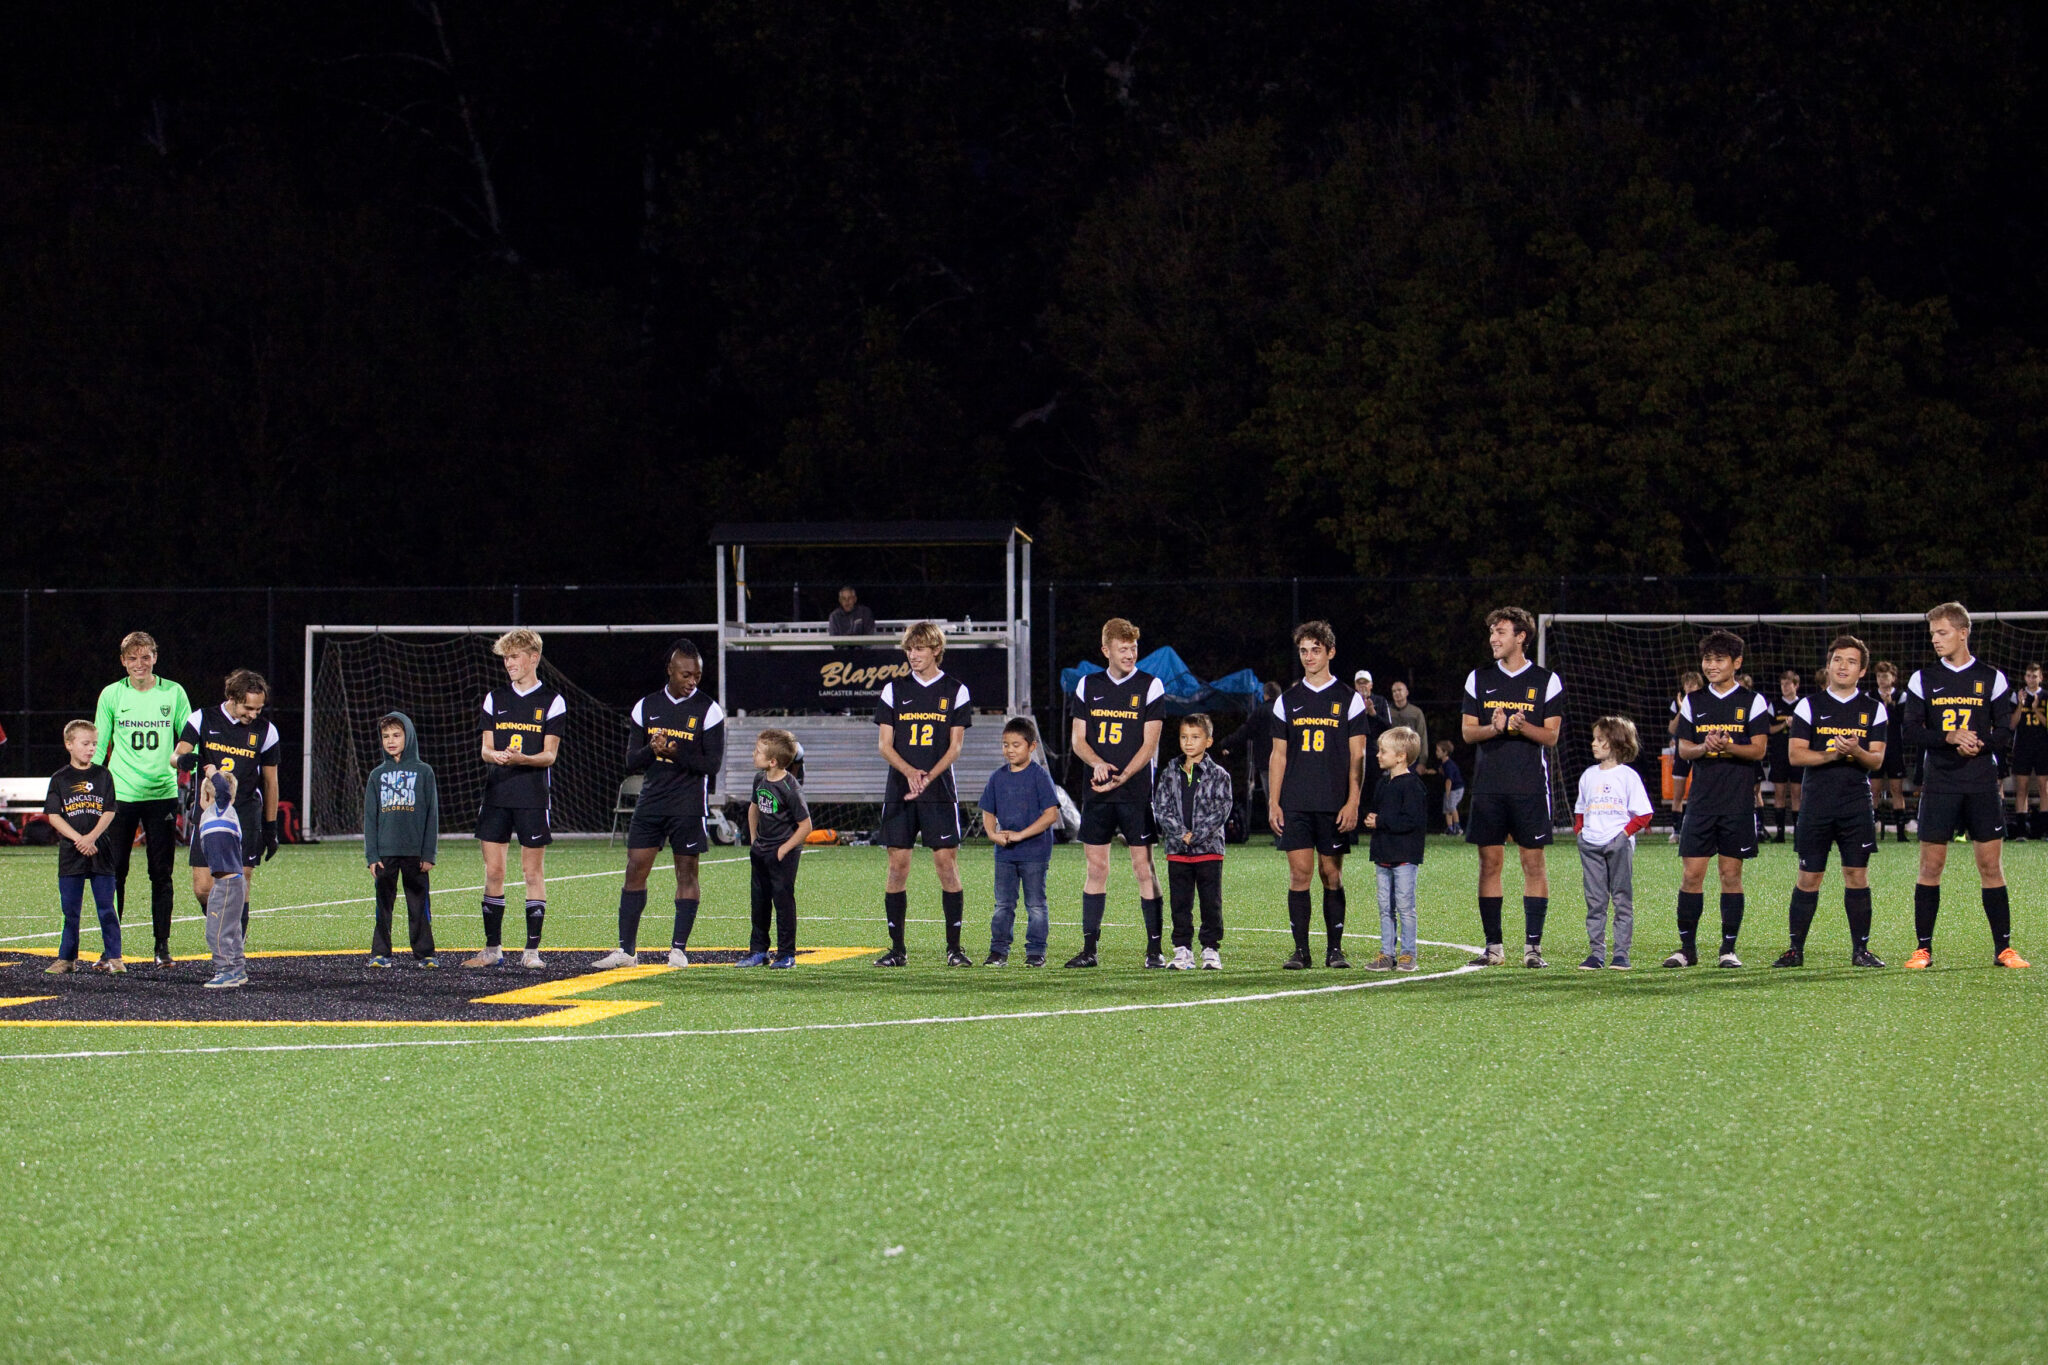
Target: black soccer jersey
x,y
678,782
1780,748
241,747
1116,710
1316,724
521,722
81,796
1941,700
1723,784
923,716
1838,787
2029,719
1508,764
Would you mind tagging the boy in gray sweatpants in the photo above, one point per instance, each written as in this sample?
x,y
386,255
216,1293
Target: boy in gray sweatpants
x,y
1613,806
219,834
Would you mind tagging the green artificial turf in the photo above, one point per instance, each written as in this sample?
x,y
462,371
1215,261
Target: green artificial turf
x,y
1825,1164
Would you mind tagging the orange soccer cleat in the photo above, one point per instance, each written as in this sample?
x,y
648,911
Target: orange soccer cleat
x,y
1920,960
2010,958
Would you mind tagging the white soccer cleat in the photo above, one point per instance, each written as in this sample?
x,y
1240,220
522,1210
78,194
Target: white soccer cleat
x,y
1212,961
617,957
678,958
489,957
1729,960
1183,960
530,959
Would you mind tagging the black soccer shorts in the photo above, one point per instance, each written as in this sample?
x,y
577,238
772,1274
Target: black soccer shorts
x,y
1706,836
498,824
1782,771
682,831
1982,813
1852,833
1102,821
1316,829
1497,817
2030,759
904,822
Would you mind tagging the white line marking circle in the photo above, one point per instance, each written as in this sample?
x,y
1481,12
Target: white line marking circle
x,y
848,1026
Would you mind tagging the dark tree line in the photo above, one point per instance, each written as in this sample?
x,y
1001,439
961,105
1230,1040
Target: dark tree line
x,y
1389,286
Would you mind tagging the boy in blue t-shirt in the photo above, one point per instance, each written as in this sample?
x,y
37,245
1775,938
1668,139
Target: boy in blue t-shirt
x,y
1018,811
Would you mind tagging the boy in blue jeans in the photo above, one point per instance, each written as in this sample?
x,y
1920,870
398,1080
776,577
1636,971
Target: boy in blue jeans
x,y
80,805
1018,811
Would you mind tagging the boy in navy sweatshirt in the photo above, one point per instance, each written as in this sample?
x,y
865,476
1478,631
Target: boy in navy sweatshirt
x,y
401,836
1400,815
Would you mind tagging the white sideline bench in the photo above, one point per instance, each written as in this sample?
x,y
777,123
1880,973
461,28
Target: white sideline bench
x,y
23,795
841,762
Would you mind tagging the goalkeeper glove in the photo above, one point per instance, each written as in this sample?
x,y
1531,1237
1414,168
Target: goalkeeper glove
x,y
269,839
188,760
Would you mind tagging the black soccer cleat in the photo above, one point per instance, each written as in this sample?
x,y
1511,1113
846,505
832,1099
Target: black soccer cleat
x,y
1084,958
1863,957
1155,961
163,956
996,960
893,958
1335,958
1300,962
1791,957
956,958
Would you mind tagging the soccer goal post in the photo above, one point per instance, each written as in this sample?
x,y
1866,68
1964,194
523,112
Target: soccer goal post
x,y
438,675
1630,665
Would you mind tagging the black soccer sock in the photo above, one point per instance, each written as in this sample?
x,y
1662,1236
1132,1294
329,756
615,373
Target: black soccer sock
x,y
494,921
1092,904
686,920
1155,913
1535,909
536,915
632,904
895,909
1804,906
1732,903
1333,917
1926,910
1691,906
1299,909
1856,900
1998,910
954,906
1489,919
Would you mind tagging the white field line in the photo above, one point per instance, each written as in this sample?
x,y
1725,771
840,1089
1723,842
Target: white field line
x,y
919,1021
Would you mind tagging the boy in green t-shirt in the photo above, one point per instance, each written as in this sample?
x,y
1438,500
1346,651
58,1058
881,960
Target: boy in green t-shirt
x,y
139,719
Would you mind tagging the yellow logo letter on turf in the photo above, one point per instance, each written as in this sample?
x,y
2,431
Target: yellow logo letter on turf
x,y
582,1011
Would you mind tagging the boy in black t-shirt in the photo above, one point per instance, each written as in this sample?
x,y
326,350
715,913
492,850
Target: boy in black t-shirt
x,y
1724,730
81,806
778,822
1513,713
1314,776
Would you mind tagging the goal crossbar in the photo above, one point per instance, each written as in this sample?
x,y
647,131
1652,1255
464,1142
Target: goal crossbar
x,y
1825,618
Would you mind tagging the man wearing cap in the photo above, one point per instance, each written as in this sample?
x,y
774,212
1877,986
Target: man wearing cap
x,y
1379,718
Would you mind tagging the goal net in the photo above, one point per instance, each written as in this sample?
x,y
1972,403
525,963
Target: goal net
x,y
439,683
1630,665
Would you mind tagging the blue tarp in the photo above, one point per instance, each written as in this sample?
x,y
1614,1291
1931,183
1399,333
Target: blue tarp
x,y
1185,692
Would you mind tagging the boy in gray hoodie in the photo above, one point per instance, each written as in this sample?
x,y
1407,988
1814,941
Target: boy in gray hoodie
x,y
401,835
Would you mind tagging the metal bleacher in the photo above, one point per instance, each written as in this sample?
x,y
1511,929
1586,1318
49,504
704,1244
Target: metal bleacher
x,y
841,762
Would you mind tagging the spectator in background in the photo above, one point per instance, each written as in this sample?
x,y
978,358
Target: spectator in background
x,y
1378,720
851,616
1406,712
1254,738
1375,706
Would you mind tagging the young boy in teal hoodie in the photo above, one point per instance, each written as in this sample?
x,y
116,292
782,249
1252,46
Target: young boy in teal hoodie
x,y
401,835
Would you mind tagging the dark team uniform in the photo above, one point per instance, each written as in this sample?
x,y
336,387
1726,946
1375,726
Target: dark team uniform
x,y
242,749
82,796
1960,790
1894,764
516,800
923,716
1720,811
1316,724
1778,754
1511,782
1115,712
677,790
2030,734
1835,809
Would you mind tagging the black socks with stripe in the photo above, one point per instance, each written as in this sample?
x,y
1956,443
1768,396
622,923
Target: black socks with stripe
x,y
494,921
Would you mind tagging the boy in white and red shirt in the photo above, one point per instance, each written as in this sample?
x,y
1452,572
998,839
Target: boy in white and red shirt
x,y
1613,807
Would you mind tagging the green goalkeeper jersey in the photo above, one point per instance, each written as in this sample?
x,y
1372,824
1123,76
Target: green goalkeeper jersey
x,y
139,737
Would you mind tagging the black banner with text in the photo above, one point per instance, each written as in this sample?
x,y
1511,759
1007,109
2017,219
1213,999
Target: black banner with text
x,y
846,679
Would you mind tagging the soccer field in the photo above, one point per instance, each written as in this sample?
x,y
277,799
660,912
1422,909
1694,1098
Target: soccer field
x,y
837,1162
